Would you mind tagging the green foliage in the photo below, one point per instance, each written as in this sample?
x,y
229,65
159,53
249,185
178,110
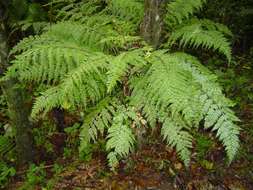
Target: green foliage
x,y
177,83
121,64
203,146
26,16
43,134
71,142
179,10
99,118
195,32
94,62
6,144
175,136
130,10
56,170
34,176
196,36
120,137
5,173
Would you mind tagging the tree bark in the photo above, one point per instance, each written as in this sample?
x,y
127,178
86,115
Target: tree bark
x,y
18,108
152,25
151,29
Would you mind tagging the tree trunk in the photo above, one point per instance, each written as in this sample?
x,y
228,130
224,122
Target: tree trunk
x,y
19,110
152,32
152,25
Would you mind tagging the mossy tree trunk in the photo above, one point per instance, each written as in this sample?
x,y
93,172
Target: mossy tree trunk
x,y
152,25
16,97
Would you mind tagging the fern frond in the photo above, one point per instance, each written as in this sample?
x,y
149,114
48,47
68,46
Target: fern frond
x,y
75,11
48,63
82,34
32,41
179,10
93,13
47,58
173,133
210,25
196,36
131,10
85,84
6,145
180,85
120,139
85,142
100,116
120,65
215,108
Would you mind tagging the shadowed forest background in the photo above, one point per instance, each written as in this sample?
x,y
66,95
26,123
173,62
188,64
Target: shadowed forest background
x,y
126,94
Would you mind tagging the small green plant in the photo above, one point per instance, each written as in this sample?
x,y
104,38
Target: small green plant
x,y
57,169
203,145
36,175
42,135
72,135
5,173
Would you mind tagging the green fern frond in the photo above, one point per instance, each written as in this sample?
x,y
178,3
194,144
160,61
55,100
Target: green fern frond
x,y
32,41
85,34
48,63
84,85
6,145
82,34
111,116
120,139
85,142
120,65
131,10
210,25
97,120
95,13
175,135
100,116
196,36
75,11
180,85
50,56
179,10
215,109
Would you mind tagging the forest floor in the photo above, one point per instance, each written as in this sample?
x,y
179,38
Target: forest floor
x,y
153,167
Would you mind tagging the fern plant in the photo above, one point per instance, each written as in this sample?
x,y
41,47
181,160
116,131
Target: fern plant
x,y
95,61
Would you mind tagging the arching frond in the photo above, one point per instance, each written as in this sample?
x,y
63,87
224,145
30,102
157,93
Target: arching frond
x,y
131,10
173,133
49,63
76,11
180,85
179,10
99,118
32,41
85,84
47,58
120,139
196,36
210,25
